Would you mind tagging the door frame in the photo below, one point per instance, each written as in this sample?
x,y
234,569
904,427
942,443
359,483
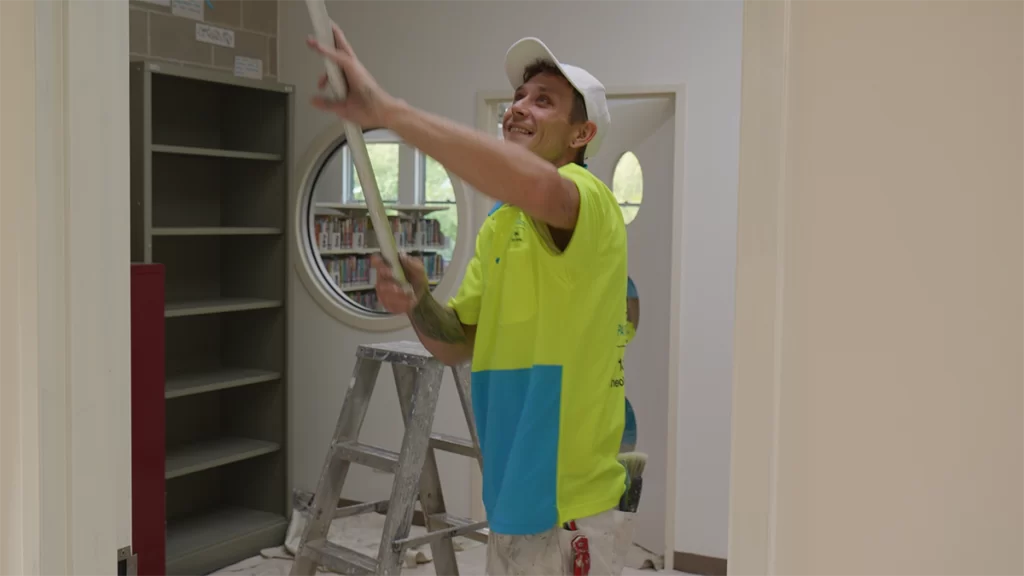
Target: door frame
x,y
486,118
65,507
760,266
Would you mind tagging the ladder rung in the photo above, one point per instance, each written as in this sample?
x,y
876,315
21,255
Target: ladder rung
x,y
378,458
339,559
453,444
456,526
380,507
406,353
471,529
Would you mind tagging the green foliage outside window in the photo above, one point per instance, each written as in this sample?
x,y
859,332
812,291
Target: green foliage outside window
x,y
438,188
384,159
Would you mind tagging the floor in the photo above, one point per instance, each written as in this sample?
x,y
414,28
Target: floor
x,y
362,533
471,563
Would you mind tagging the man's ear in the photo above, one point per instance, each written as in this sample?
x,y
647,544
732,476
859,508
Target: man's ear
x,y
584,134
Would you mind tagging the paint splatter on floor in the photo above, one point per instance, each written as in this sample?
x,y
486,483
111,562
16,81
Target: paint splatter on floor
x,y
363,532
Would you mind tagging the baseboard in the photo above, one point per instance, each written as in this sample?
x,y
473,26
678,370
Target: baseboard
x,y
697,564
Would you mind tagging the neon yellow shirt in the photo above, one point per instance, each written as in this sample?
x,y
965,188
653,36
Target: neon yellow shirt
x,y
548,386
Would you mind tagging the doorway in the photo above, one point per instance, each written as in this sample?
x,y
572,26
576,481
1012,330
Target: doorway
x,y
642,158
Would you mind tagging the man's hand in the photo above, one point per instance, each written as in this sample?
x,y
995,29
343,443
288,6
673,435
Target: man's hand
x,y
365,103
437,326
390,292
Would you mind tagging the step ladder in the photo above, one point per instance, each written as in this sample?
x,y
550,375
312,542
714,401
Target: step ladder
x,y
418,378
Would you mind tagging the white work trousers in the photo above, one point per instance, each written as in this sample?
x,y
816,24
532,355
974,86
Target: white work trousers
x,y
550,553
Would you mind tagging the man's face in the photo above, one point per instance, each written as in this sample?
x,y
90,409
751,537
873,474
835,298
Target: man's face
x,y
539,118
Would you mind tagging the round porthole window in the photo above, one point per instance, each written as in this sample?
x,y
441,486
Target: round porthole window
x,y
335,236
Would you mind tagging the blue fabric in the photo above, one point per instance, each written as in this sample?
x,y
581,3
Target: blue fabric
x,y
629,432
631,289
517,419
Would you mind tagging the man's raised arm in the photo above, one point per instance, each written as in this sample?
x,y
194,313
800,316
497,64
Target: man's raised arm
x,y
501,170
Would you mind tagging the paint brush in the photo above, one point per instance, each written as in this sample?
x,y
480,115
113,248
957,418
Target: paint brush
x,y
634,463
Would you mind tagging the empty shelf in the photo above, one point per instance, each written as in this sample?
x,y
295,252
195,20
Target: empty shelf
x,y
208,542
214,152
215,231
217,306
213,453
188,384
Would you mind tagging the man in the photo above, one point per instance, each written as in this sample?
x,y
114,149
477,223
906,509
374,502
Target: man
x,y
540,311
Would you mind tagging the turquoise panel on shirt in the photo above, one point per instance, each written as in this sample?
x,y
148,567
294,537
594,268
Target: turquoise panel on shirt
x,y
517,419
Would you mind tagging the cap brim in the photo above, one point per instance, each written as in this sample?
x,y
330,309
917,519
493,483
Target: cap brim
x,y
523,54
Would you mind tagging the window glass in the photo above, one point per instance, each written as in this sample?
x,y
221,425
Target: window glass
x,y
628,185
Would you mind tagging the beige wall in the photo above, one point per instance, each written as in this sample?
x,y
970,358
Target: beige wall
x,y
19,438
878,393
157,33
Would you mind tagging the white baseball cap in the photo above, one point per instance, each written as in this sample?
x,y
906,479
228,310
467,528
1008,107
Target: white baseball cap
x,y
527,51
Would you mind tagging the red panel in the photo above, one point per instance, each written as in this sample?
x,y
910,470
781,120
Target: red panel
x,y
148,527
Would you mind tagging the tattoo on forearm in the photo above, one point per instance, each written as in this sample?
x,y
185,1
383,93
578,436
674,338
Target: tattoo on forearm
x,y
437,322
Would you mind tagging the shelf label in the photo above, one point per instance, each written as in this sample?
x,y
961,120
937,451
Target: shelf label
x,y
215,36
187,8
248,67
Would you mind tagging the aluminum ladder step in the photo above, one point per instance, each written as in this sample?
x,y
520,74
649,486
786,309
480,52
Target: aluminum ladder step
x,y
453,444
380,507
372,456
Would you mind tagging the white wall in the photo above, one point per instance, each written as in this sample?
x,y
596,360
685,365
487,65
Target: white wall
x,y
879,310
437,55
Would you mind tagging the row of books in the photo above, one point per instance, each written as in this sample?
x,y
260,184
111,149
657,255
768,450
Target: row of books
x,y
366,299
422,233
350,270
430,233
434,265
355,271
337,233
341,233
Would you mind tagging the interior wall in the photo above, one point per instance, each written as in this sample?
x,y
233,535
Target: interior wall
x,y
65,442
889,276
20,541
157,33
438,55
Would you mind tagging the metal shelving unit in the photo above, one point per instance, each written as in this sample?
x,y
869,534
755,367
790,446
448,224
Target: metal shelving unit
x,y
210,161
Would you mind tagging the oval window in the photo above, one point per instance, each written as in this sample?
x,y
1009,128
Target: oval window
x,y
628,185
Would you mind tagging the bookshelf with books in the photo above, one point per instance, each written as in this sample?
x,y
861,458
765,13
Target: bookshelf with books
x,y
345,240
210,156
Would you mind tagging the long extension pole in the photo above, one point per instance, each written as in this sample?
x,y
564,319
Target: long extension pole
x,y
357,146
